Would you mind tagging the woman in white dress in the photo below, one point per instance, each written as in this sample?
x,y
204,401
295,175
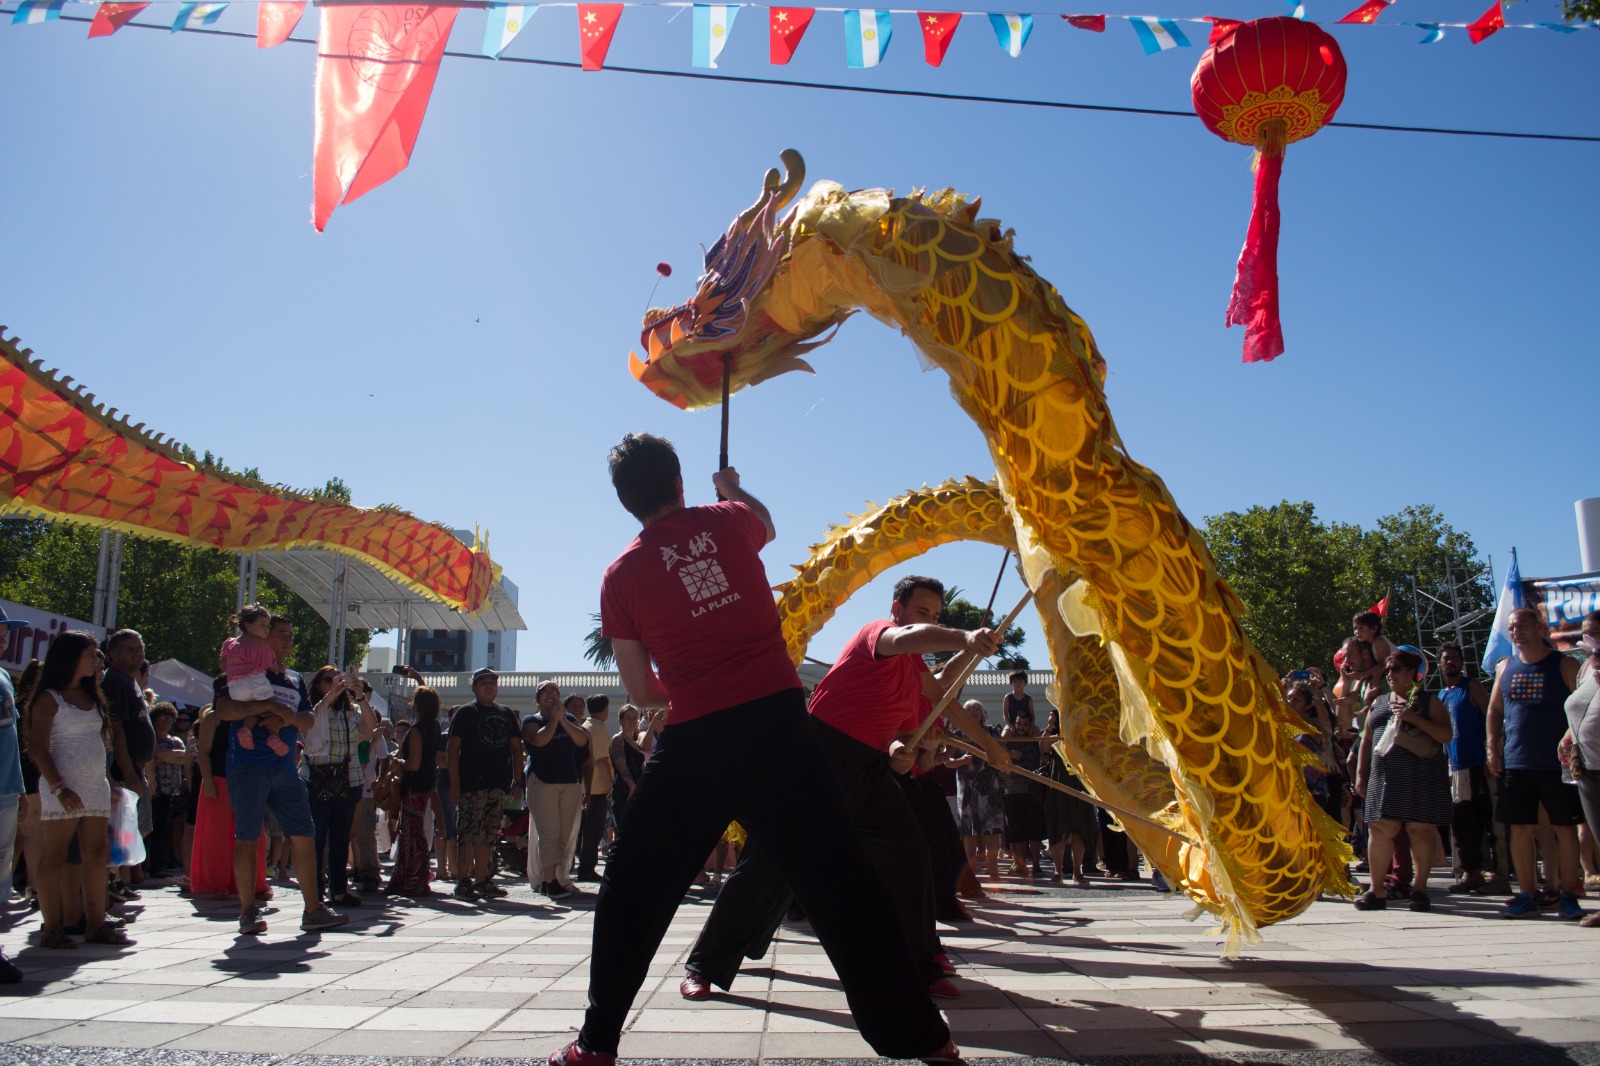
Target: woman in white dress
x,y
68,737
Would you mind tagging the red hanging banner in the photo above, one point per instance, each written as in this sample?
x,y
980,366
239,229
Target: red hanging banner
x,y
938,29
1092,23
596,24
785,27
276,20
1489,23
1221,27
375,71
109,18
1367,12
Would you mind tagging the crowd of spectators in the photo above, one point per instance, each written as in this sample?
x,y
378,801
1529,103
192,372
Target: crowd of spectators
x,y
1418,761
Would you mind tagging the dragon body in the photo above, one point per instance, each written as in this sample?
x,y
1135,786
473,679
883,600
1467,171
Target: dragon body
x,y
1163,698
63,456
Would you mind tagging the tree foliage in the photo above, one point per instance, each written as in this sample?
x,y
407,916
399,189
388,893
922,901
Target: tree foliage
x,y
1302,580
179,598
597,646
961,614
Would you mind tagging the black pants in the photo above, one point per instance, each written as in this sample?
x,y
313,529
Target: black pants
x,y
751,904
946,855
592,831
1470,823
762,764
332,822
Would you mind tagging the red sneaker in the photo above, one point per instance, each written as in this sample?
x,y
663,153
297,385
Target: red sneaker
x,y
575,1054
944,988
693,986
946,967
949,1055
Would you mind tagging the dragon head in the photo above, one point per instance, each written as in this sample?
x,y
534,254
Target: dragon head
x,y
687,347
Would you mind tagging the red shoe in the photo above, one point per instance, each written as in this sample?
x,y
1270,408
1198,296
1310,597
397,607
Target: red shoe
x,y
693,986
949,1055
575,1054
946,967
944,988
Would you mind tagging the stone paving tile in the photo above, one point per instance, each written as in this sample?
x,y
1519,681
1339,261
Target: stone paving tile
x,y
116,1034
252,1038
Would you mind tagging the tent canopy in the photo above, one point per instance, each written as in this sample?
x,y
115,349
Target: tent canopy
x,y
376,601
180,683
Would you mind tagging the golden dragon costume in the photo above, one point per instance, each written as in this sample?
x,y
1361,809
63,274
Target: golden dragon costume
x,y
1166,707
63,456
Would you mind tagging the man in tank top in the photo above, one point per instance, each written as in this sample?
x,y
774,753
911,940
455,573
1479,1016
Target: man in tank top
x,y
1527,718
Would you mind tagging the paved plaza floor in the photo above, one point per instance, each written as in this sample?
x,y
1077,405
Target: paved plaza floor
x,y
1046,973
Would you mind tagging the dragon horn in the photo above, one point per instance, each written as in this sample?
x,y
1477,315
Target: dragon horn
x,y
794,176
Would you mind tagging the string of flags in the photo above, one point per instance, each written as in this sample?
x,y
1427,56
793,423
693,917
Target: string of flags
x,y
867,31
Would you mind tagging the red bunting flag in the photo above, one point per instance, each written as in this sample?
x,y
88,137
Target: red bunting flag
x,y
1489,23
275,20
786,26
1092,23
109,18
1221,27
596,24
375,71
938,30
1381,608
1367,12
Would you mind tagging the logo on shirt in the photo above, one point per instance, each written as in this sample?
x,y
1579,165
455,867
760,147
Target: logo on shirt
x,y
702,576
1526,687
494,731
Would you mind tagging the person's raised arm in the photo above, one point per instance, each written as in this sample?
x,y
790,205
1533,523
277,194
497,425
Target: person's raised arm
x,y
726,481
539,735
579,735
923,638
638,674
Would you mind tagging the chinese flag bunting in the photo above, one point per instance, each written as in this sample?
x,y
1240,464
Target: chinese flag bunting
x,y
1367,12
375,71
1220,27
1381,608
1093,23
109,18
786,25
596,24
1489,23
938,28
275,20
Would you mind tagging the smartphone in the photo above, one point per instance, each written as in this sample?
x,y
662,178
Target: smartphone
x,y
1300,675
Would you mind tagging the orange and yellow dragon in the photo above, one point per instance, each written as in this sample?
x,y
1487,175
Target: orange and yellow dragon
x,y
1167,709
62,456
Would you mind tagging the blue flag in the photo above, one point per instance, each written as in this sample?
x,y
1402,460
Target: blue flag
x,y
31,12
866,37
712,24
191,16
1500,635
1157,35
505,22
1012,31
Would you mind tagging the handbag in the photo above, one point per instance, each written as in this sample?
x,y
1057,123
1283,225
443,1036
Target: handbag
x,y
1411,739
329,782
386,787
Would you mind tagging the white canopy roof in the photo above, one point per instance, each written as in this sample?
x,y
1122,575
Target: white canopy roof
x,y
376,601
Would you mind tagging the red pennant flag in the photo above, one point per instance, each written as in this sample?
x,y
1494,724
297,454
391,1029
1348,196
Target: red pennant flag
x,y
596,24
1381,608
786,25
1092,23
109,18
375,71
1489,23
938,30
1221,27
275,20
1367,12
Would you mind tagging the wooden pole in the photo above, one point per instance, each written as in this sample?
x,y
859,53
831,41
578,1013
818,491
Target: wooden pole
x,y
1127,816
988,612
960,678
727,381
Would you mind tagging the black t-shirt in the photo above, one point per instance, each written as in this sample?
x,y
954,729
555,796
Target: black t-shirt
x,y
426,776
129,708
486,734
558,762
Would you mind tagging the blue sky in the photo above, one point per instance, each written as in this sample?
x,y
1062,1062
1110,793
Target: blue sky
x,y
457,341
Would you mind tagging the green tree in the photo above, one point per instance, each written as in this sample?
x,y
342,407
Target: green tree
x,y
961,614
1302,580
597,646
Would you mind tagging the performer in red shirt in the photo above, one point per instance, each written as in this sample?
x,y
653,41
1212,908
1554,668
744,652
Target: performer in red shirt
x,y
864,711
694,628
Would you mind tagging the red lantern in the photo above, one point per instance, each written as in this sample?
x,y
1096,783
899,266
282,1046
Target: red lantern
x,y
1266,83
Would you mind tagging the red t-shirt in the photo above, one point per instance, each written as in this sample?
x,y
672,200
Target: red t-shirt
x,y
692,589
870,698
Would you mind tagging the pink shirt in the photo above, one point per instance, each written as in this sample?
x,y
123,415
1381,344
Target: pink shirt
x,y
246,660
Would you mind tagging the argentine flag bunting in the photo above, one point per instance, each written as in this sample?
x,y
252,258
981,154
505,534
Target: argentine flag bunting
x,y
712,24
1499,645
192,15
31,12
866,37
1012,32
505,22
1435,33
1157,35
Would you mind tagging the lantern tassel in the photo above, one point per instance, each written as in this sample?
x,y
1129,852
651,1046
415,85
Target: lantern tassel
x,y
1255,284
